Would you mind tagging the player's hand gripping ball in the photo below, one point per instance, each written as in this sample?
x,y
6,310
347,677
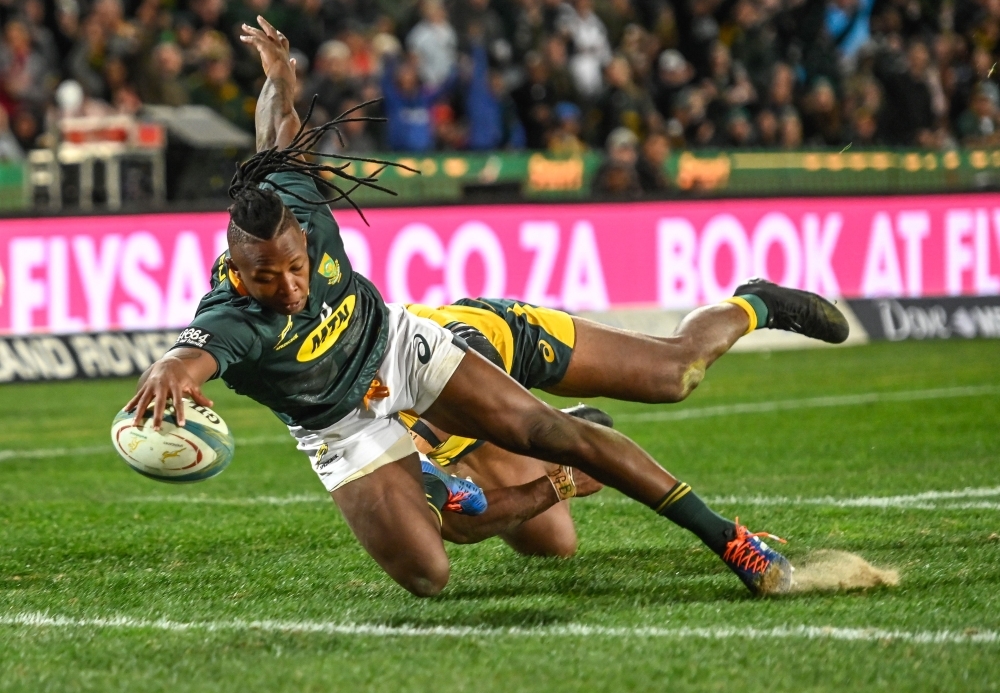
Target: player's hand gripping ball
x,y
200,449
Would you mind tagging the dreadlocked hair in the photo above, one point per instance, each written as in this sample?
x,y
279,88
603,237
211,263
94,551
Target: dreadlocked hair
x,y
258,213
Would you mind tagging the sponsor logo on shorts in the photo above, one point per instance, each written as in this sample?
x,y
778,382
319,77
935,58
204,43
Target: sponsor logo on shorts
x,y
547,353
332,324
323,457
423,349
193,336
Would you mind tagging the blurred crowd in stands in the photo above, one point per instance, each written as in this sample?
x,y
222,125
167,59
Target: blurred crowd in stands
x,y
635,78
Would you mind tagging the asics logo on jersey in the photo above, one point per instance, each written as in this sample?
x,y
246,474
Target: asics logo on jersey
x,y
423,349
332,323
547,353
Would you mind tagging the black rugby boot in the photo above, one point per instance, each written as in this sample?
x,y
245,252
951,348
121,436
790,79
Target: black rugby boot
x,y
591,414
798,311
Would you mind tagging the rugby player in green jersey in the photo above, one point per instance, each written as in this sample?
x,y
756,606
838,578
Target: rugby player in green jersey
x,y
294,328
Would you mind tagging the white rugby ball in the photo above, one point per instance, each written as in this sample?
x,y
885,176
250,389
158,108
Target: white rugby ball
x,y
200,449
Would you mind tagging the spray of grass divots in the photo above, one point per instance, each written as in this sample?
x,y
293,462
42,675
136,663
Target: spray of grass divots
x,y
832,571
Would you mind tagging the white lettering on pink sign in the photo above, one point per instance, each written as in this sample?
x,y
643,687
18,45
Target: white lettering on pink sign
x,y
100,273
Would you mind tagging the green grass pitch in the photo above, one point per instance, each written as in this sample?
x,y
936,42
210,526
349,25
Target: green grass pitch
x,y
117,556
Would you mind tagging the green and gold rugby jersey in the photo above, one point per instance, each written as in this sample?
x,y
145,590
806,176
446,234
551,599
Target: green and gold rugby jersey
x,y
534,343
311,368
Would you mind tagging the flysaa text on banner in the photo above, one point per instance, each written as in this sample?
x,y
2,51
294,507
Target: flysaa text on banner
x,y
148,272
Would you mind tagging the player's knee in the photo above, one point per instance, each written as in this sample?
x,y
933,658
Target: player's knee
x,y
562,545
680,376
427,579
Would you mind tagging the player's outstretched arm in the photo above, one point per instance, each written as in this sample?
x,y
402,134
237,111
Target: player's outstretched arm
x,y
275,119
180,372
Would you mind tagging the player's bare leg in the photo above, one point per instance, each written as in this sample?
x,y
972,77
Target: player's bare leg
x,y
480,401
388,512
650,369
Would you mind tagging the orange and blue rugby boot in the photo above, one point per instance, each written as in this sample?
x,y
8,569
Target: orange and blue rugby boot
x,y
762,569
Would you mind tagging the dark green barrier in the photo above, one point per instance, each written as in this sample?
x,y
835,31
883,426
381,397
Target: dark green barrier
x,y
12,187
447,177
501,176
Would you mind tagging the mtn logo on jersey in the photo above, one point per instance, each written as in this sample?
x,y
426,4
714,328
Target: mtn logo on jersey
x,y
332,324
330,268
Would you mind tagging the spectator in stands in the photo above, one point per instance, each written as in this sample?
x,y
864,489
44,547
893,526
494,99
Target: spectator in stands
x,y
10,148
26,128
823,125
617,15
753,43
408,107
623,104
766,123
864,129
213,85
591,51
564,140
163,83
24,73
358,141
331,79
617,175
86,61
739,130
478,22
492,115
781,88
434,43
848,24
652,162
535,100
979,126
791,130
557,59
674,74
42,38
908,118
690,121
727,84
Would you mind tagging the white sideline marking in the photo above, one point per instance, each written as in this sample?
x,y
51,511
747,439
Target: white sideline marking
x,y
917,501
810,403
923,501
42,453
674,415
967,636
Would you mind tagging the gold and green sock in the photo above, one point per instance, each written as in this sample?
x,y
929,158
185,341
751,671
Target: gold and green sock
x,y
683,507
755,308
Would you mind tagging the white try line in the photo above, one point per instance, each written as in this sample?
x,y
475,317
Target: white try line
x,y
810,403
575,630
928,500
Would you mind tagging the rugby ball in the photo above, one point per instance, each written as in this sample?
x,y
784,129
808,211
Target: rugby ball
x,y
200,449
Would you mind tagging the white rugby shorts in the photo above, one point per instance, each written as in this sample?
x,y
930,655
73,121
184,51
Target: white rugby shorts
x,y
420,358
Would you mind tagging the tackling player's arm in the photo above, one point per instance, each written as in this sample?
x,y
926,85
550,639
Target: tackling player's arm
x,y
180,372
275,119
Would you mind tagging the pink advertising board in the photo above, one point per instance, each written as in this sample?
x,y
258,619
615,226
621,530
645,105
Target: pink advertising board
x,y
148,271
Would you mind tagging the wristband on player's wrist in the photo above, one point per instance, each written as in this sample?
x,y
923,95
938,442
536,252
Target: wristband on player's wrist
x,y
563,483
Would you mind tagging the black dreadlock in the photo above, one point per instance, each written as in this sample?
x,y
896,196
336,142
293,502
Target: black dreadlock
x,y
258,213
